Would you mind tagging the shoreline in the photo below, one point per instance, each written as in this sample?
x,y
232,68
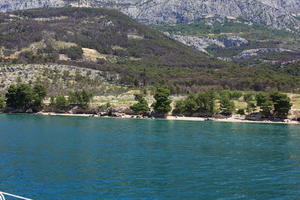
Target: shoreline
x,y
174,118
170,118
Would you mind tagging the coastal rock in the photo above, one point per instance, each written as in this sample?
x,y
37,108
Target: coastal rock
x,y
254,116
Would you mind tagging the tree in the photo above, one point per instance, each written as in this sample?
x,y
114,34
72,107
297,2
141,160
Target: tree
x,y
261,98
81,98
39,94
162,104
282,105
142,106
179,107
19,96
266,108
250,107
226,106
206,103
2,103
60,103
191,105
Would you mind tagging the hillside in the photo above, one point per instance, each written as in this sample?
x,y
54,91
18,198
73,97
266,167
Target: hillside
x,y
278,13
237,39
126,51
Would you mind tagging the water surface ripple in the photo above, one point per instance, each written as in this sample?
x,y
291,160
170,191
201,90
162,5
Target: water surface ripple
x,y
61,158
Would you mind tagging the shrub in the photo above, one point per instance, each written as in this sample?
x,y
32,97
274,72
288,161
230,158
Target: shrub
x,y
60,103
74,52
142,106
241,112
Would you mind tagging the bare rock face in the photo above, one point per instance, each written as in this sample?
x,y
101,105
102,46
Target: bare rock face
x,y
201,43
292,6
276,13
10,5
255,52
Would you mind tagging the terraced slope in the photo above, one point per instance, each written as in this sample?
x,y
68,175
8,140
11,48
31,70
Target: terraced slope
x,y
136,55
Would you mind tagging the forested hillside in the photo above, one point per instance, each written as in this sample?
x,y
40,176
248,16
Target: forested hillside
x,y
109,41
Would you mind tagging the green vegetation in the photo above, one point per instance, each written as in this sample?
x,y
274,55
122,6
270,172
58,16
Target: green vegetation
x,y
23,97
74,53
106,40
60,103
227,106
162,104
81,98
282,105
275,105
142,106
2,103
202,104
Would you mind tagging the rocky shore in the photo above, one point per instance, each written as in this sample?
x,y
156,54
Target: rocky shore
x,y
232,119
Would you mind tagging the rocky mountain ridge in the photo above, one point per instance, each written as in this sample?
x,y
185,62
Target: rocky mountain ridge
x,y
278,14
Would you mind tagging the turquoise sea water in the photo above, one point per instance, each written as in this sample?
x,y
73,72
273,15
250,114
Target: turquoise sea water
x,y
62,158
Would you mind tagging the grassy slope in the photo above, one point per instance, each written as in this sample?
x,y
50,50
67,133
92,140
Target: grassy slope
x,y
138,53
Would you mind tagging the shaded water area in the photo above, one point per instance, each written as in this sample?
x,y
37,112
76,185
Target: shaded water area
x,y
64,158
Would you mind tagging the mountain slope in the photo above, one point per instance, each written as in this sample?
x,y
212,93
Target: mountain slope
x,y
277,15
124,51
237,39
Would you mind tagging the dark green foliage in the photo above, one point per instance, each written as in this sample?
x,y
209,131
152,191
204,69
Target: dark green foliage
x,y
236,95
250,107
241,112
60,103
249,97
142,106
180,107
282,104
162,104
226,106
206,103
74,53
231,94
262,98
267,108
201,104
19,96
190,104
39,94
2,102
23,96
81,98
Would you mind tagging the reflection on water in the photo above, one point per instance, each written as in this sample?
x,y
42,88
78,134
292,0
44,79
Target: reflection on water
x,y
62,158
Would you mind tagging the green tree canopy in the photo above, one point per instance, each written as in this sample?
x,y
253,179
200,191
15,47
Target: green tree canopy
x,y
282,104
23,96
60,102
19,96
142,106
162,104
82,98
2,102
226,106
